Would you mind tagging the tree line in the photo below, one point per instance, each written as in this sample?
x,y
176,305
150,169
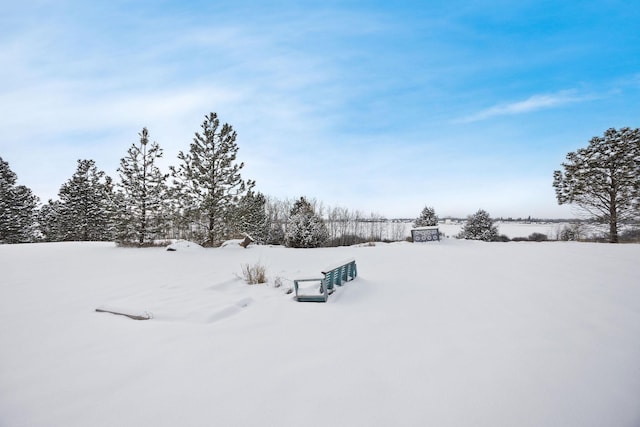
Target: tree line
x,y
205,199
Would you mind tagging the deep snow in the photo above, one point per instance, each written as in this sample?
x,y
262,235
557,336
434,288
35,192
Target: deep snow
x,y
454,333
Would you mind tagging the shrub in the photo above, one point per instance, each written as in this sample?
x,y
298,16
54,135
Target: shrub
x,y
345,240
501,238
538,237
150,244
630,235
570,232
254,274
479,226
306,229
276,235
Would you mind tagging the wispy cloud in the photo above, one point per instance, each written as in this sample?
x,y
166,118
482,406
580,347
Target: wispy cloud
x,y
533,103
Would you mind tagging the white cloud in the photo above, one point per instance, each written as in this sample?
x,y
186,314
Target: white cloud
x,y
533,103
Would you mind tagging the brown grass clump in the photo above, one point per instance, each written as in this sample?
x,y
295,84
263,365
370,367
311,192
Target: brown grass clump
x,y
254,274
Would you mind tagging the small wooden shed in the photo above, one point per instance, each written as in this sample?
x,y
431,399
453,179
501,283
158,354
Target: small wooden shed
x,y
425,234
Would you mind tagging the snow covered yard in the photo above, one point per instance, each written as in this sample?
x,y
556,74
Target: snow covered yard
x,y
455,333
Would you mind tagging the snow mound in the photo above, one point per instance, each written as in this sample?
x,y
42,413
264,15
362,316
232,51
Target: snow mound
x,y
183,245
232,244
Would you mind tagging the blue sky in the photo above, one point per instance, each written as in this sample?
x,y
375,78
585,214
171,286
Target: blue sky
x,y
375,106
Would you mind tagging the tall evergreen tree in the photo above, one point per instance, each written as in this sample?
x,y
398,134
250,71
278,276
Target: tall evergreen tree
x,y
17,208
252,217
427,218
85,210
479,226
209,180
603,179
140,210
305,228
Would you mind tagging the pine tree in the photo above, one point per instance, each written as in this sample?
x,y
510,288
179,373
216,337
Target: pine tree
x,y
479,226
305,228
603,179
427,218
209,180
17,208
252,217
143,189
85,211
49,221
25,205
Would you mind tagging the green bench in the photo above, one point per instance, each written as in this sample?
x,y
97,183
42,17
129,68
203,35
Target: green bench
x,y
333,276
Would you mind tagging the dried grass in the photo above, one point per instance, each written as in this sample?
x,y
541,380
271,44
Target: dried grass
x,y
254,274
